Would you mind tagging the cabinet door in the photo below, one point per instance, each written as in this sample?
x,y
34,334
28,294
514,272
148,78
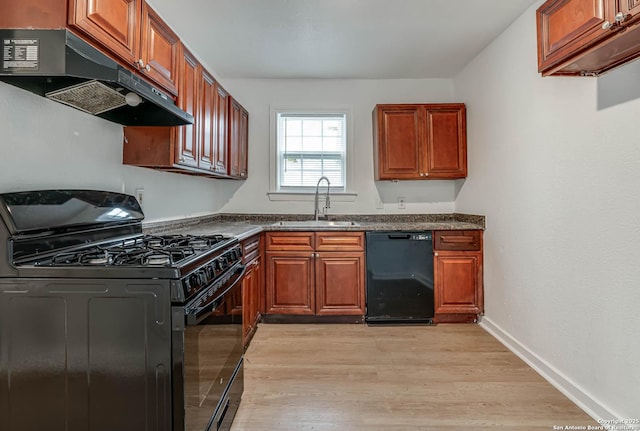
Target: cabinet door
x,y
397,136
566,27
114,24
458,282
234,138
249,297
340,283
159,50
221,119
244,144
187,136
446,141
290,283
208,125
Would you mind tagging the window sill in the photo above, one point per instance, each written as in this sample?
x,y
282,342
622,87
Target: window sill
x,y
309,197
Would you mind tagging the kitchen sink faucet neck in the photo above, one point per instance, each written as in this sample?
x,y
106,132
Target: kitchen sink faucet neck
x,y
327,203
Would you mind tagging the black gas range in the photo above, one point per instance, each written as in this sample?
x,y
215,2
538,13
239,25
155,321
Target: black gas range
x,y
120,329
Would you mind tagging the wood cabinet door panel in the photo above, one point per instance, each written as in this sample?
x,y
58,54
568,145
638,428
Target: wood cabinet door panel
x,y
187,136
399,138
457,240
339,241
290,241
244,144
235,112
458,282
207,123
221,119
446,155
630,7
290,283
251,298
340,283
113,23
567,26
159,50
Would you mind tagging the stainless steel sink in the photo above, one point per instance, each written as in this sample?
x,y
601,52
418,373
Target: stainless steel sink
x,y
315,223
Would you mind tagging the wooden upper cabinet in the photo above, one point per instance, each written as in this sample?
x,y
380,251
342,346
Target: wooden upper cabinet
x,y
630,7
207,121
189,86
587,37
398,137
135,33
244,144
446,141
158,50
222,130
238,139
114,24
420,141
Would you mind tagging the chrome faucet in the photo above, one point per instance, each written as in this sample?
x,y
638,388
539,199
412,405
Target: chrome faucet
x,y
327,203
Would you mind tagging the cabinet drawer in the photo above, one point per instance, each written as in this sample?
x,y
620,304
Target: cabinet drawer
x,y
290,241
340,241
250,248
458,240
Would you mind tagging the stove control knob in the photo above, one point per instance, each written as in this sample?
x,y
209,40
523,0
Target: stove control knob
x,y
224,262
202,277
210,272
218,265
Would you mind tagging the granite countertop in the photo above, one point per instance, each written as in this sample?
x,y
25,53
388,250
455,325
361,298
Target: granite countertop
x,y
245,225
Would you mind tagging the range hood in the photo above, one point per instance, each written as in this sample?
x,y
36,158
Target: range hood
x,y
60,66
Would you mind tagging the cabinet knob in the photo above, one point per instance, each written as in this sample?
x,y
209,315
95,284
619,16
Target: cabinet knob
x,y
426,174
421,174
435,254
147,68
606,25
139,64
620,17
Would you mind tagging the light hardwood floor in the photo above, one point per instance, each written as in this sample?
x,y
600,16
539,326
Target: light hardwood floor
x,y
418,378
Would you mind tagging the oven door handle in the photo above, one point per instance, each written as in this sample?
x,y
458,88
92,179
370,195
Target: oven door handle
x,y
195,315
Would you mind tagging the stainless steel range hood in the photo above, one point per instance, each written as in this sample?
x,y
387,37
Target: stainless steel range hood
x,y
60,66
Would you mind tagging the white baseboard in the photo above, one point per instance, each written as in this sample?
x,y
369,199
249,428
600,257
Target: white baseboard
x,y
581,398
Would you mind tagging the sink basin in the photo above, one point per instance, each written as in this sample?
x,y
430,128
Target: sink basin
x,y
314,223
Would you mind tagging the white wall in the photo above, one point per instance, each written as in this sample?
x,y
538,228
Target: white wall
x,y
44,144
361,95
558,180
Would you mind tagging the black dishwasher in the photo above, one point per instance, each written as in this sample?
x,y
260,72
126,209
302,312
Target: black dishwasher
x,y
399,277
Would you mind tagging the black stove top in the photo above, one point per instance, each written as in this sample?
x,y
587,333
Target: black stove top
x,y
98,234
147,250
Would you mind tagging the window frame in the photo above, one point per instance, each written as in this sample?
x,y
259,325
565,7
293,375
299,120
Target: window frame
x,y
294,194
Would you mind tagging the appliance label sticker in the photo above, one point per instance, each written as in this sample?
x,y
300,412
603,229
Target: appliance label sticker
x,y
20,54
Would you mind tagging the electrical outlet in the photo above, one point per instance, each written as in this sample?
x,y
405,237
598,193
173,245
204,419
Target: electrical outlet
x,y
140,195
401,203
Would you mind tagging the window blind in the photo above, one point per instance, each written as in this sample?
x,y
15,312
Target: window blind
x,y
311,146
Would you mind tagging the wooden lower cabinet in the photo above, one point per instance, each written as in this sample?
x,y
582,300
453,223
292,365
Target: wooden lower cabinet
x,y
312,282
290,283
252,286
251,292
339,281
458,290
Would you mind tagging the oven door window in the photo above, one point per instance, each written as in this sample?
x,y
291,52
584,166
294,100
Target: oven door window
x,y
212,350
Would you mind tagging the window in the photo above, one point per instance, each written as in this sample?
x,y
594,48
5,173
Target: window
x,y
310,145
